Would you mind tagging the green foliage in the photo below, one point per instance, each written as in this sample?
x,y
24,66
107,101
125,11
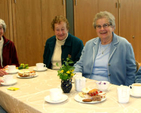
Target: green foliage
x,y
66,71
23,66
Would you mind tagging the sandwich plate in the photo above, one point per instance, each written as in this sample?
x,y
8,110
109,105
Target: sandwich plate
x,y
80,99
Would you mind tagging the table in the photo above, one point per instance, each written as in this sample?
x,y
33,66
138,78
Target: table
x,y
30,97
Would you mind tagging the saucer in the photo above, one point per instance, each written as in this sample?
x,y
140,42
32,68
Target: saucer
x,y
14,81
64,97
134,95
43,69
12,72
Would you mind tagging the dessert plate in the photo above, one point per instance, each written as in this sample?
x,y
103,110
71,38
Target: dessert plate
x,y
14,81
64,98
134,95
79,99
27,77
12,72
44,69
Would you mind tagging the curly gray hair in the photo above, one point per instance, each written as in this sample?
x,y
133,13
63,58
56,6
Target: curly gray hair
x,y
3,24
105,14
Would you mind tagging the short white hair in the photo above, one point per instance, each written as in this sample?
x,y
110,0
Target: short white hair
x,y
3,24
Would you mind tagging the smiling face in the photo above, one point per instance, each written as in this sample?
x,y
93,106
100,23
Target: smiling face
x,y
1,31
61,30
105,31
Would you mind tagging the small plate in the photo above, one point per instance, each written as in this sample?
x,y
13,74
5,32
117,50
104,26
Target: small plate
x,y
64,97
12,72
27,77
10,83
44,69
132,94
79,99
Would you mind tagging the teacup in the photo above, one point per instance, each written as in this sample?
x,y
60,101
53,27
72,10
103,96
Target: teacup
x,y
78,74
136,88
102,85
123,94
55,94
40,66
11,68
79,83
7,78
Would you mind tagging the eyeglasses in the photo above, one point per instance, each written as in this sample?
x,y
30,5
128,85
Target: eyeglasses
x,y
104,26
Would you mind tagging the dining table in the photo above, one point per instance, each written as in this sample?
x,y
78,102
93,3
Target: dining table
x,y
31,93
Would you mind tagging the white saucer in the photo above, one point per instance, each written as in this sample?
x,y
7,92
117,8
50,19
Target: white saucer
x,y
12,72
44,69
134,95
10,83
64,97
27,77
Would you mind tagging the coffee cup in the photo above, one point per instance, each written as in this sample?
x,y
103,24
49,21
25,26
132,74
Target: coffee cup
x,y
136,88
11,68
123,93
7,78
102,85
55,94
40,66
79,83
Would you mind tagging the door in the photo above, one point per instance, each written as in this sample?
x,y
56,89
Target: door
x,y
112,7
50,9
27,30
5,14
84,12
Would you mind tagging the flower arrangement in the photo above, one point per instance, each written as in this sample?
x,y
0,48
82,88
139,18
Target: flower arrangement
x,y
66,71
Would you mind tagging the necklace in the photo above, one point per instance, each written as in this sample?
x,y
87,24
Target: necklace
x,y
102,51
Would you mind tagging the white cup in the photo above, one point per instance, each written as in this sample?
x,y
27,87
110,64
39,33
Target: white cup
x,y
102,85
40,66
55,94
7,78
11,68
79,83
136,88
123,94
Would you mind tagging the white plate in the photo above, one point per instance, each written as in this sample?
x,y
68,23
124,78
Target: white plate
x,y
28,76
44,69
12,72
79,99
132,94
11,83
64,97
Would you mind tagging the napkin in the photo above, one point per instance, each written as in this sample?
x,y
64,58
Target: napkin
x,y
13,88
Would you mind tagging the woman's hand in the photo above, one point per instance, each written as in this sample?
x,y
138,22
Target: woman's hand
x,y
2,72
1,81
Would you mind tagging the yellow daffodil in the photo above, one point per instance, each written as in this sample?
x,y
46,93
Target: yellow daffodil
x,y
68,72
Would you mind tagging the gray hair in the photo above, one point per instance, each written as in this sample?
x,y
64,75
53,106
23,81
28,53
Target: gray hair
x,y
3,24
105,14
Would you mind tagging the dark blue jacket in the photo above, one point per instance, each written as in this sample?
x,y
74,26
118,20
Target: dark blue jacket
x,y
73,46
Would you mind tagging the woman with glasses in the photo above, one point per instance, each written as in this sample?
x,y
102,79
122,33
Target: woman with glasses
x,y
107,57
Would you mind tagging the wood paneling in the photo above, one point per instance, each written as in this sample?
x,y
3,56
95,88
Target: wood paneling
x,y
28,32
84,12
5,14
51,8
137,29
112,7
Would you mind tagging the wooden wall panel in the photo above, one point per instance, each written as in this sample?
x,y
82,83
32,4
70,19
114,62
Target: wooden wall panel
x,y
28,32
84,12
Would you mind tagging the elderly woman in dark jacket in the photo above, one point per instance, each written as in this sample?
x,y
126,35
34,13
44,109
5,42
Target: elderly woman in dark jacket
x,y
62,44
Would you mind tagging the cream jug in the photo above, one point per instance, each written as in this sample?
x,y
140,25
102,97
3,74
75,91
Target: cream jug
x,y
79,83
123,94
